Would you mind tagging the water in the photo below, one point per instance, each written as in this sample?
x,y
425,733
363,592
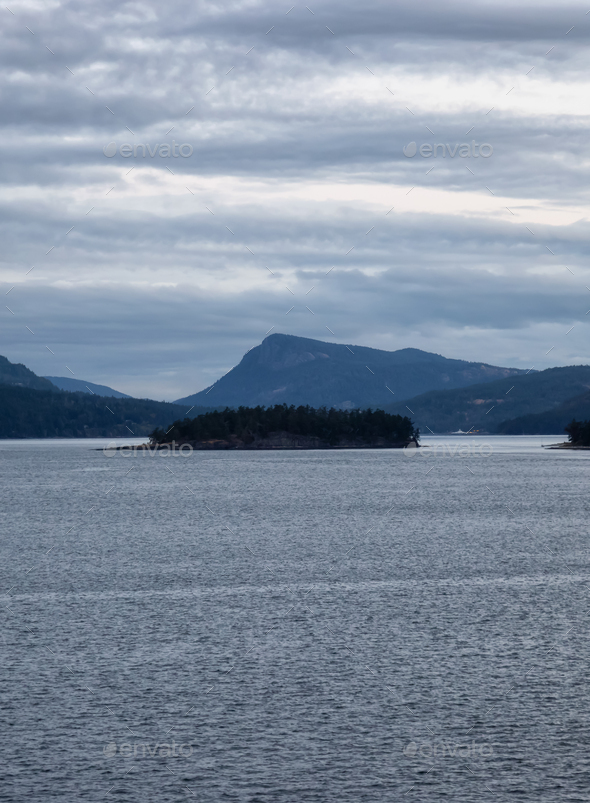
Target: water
x,y
308,626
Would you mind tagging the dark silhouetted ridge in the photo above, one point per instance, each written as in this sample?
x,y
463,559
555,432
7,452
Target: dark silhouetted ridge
x,y
285,369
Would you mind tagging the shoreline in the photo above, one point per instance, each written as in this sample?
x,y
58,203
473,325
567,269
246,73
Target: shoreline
x,y
567,447
273,443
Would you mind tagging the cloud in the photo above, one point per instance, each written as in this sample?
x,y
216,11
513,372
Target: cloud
x,y
297,122
169,341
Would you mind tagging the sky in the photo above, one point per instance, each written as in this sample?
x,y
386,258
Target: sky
x,y
178,180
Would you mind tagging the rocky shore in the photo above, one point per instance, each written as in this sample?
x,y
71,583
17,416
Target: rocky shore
x,y
569,446
274,440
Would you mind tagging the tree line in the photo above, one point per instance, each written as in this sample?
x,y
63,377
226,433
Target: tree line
x,y
30,413
330,425
579,432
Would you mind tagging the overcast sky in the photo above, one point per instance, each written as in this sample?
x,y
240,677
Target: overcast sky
x,y
291,124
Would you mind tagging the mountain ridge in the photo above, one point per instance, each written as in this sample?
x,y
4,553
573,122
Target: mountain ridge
x,y
548,422
522,401
82,386
285,369
32,407
16,374
487,405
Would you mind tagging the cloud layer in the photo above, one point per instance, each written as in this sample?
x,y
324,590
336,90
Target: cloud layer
x,y
154,274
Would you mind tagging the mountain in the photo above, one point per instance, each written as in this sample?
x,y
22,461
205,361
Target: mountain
x,y
29,413
296,370
73,385
550,422
33,407
484,407
19,375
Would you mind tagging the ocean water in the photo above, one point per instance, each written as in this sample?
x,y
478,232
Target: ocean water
x,y
295,626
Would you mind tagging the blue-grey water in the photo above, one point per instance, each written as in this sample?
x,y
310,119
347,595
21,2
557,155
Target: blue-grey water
x,y
295,626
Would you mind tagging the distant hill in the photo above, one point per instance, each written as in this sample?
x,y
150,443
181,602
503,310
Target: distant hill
x,y
550,422
484,407
33,407
20,376
29,413
80,385
296,370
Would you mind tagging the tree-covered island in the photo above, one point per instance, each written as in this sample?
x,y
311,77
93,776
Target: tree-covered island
x,y
579,434
284,427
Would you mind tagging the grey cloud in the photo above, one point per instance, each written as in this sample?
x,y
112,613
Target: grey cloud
x,y
174,340
316,235
535,159
276,117
246,126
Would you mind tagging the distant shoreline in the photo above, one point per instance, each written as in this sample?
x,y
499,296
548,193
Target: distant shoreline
x,y
274,441
567,447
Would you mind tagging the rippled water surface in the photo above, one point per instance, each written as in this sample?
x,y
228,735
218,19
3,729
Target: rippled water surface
x,y
295,626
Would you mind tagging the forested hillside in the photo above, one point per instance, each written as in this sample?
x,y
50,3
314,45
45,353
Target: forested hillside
x,y
28,413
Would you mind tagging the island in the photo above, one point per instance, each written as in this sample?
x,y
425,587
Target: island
x,y
288,427
578,436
